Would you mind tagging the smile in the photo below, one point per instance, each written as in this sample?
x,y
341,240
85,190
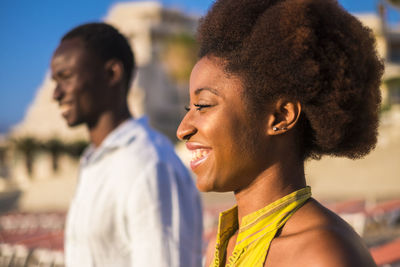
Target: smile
x,y
65,107
199,154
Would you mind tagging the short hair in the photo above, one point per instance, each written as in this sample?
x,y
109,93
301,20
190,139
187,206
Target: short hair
x,y
311,51
107,43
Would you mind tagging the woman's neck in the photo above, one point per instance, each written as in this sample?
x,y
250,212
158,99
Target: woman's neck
x,y
272,184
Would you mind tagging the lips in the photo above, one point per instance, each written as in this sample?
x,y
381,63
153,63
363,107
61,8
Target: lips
x,y
199,152
65,107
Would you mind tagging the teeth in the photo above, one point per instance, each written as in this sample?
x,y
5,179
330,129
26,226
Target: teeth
x,y
198,154
64,107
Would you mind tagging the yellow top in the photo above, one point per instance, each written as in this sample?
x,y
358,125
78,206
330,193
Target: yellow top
x,y
256,230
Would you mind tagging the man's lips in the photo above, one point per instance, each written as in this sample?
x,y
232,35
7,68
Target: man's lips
x,y
65,107
199,153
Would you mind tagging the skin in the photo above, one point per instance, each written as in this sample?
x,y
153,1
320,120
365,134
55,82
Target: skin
x,y
88,90
236,150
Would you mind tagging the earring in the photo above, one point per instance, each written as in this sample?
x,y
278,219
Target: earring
x,y
277,129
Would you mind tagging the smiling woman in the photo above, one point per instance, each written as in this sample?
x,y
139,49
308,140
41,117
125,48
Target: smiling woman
x,y
220,131
279,82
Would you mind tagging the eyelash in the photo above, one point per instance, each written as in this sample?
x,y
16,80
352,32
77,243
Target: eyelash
x,y
199,107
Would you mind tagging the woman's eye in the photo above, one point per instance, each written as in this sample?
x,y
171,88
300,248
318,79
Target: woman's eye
x,y
200,106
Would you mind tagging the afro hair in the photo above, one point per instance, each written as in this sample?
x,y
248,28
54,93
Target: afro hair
x,y
311,51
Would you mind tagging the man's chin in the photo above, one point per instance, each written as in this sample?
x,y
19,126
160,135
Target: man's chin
x,y
73,123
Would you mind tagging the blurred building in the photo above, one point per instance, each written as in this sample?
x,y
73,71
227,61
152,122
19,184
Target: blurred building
x,y
40,155
42,147
45,150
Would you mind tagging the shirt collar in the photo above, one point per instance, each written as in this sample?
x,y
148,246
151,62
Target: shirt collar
x,y
122,135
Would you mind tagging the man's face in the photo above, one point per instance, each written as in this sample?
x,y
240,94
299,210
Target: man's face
x,y
80,83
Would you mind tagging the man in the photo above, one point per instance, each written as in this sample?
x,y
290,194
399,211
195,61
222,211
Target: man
x,y
135,204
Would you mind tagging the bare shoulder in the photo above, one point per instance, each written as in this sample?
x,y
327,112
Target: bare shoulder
x,y
331,246
315,236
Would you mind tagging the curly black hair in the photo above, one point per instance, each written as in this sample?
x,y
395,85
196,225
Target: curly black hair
x,y
107,43
311,51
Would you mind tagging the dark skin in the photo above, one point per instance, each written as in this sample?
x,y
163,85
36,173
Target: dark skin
x,y
314,236
213,127
88,90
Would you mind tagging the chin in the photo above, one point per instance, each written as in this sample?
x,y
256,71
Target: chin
x,y
203,186
73,123
209,186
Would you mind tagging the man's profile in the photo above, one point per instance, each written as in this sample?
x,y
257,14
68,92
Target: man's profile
x,y
135,203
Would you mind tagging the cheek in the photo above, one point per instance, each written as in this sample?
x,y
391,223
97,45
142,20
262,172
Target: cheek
x,y
238,131
226,138
85,101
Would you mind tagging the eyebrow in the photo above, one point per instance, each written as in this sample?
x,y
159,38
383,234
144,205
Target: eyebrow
x,y
58,72
213,91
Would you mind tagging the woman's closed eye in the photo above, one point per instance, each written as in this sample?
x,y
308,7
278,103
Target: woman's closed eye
x,y
198,107
201,106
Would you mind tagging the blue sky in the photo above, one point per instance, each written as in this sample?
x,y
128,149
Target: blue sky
x,y
30,31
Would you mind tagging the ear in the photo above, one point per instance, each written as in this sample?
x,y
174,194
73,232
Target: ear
x,y
284,116
114,71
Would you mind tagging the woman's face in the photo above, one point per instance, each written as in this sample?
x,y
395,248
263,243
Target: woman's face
x,y
227,143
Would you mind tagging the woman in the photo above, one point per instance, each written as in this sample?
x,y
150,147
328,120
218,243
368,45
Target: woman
x,y
279,82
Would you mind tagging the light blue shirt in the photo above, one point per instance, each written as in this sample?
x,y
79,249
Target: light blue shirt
x,y
135,204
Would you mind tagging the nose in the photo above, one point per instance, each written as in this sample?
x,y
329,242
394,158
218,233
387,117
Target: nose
x,y
58,92
186,128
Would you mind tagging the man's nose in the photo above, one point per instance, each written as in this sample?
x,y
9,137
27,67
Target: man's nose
x,y
58,93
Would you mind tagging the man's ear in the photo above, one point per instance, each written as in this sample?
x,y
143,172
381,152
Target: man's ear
x,y
114,71
284,116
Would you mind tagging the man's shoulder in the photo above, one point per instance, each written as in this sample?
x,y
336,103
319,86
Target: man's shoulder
x,y
141,156
147,151
146,145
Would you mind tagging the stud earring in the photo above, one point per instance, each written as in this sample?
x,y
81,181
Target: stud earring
x,y
277,129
